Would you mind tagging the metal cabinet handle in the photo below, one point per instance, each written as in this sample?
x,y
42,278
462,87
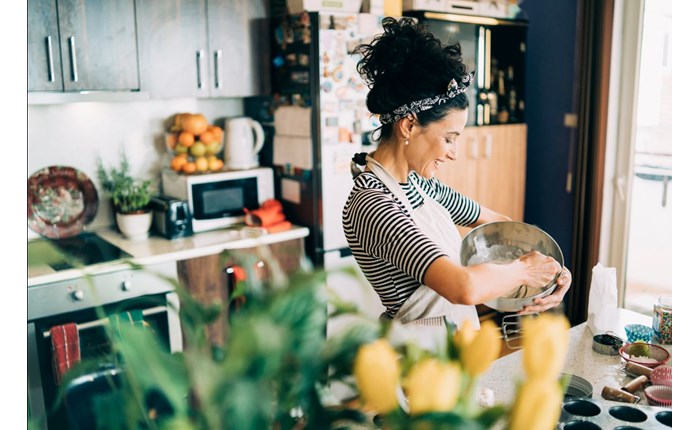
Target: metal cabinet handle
x,y
73,59
200,80
49,48
218,68
488,146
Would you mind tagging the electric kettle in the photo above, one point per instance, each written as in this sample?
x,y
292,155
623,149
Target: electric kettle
x,y
243,140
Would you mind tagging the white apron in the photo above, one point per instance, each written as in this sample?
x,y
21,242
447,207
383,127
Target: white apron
x,y
425,307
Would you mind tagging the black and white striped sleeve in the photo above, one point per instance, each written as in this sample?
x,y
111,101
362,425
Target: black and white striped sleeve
x,y
463,210
375,222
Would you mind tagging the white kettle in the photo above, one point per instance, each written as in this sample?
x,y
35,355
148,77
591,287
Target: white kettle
x,y
243,138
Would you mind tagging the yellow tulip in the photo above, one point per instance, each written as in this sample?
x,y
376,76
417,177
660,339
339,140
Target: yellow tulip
x,y
377,374
464,336
538,405
545,345
432,386
480,353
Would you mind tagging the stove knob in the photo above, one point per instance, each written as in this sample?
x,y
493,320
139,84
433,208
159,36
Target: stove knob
x,y
77,295
126,285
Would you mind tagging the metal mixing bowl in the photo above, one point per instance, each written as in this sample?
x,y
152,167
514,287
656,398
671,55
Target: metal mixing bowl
x,y
503,242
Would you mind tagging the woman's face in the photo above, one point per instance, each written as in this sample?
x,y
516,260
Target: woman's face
x,y
434,144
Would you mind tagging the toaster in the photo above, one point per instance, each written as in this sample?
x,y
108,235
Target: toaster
x,y
172,218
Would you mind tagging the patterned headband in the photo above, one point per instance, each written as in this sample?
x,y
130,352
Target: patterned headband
x,y
453,90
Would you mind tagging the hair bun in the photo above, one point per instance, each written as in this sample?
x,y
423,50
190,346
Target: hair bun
x,y
406,62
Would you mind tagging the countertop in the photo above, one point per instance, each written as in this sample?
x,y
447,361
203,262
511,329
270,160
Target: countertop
x,y
581,360
155,249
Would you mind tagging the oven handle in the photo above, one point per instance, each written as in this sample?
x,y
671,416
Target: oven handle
x,y
104,321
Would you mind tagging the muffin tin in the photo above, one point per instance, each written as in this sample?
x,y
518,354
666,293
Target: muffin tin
x,y
597,414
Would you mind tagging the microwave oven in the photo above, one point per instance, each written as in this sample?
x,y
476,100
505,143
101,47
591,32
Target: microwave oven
x,y
217,200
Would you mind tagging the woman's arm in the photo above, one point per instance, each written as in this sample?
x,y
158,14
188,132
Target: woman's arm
x,y
488,215
472,285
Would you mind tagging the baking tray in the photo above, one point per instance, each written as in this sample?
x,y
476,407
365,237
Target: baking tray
x,y
584,413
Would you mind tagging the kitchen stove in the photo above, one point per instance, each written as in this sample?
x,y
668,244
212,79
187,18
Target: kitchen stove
x,y
83,250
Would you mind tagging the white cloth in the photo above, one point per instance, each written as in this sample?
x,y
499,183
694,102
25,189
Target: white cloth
x,y
426,308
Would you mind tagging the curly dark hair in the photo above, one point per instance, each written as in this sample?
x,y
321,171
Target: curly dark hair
x,y
408,63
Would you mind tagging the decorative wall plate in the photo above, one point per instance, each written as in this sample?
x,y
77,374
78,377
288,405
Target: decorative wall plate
x,y
61,201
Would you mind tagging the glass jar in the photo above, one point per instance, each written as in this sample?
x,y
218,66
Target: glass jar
x,y
662,320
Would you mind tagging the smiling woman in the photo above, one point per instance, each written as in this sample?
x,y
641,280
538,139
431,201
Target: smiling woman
x,y
399,219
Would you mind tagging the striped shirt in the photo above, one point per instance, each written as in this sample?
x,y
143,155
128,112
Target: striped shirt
x,y
390,249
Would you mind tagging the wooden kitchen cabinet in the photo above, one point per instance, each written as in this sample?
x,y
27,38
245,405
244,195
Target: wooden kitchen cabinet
x,y
207,280
202,48
81,45
490,168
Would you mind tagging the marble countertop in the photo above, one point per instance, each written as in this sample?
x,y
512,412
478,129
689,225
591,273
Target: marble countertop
x,y
581,360
155,249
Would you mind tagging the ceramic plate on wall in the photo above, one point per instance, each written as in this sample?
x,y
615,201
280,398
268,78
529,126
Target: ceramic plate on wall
x,y
61,201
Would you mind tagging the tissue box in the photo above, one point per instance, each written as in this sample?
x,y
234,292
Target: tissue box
x,y
348,6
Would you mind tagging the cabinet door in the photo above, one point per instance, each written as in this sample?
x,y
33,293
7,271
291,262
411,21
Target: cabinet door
x,y
172,43
501,169
98,45
237,43
43,51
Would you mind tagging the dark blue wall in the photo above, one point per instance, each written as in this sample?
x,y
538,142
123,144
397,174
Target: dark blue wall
x,y
550,74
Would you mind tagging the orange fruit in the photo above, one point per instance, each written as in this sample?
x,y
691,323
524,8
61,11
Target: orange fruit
x,y
214,163
195,124
178,162
186,139
171,141
202,164
217,132
206,137
189,167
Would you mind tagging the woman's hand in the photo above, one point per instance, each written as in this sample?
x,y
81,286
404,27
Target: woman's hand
x,y
554,299
539,269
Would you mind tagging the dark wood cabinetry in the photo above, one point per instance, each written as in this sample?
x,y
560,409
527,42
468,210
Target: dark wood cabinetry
x,y
208,280
79,45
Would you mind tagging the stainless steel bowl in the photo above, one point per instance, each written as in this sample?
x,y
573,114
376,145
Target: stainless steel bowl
x,y
505,241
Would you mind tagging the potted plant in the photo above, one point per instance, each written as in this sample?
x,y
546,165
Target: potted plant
x,y
130,198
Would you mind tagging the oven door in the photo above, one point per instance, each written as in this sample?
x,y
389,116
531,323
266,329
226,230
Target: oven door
x,y
89,304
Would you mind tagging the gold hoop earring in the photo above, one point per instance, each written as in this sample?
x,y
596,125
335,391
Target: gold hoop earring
x,y
407,141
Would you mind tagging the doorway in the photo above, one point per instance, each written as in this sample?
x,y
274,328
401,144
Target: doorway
x,y
638,177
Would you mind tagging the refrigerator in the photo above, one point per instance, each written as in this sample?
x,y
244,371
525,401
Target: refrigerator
x,y
320,121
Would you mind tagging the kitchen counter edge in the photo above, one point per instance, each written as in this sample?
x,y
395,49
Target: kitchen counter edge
x,y
155,250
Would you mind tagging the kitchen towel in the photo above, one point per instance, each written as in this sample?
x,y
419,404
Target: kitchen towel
x,y
268,216
65,347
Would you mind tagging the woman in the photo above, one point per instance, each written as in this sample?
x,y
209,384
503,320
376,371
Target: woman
x,y
399,219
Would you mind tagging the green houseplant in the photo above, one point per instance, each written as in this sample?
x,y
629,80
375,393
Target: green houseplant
x,y
130,197
273,370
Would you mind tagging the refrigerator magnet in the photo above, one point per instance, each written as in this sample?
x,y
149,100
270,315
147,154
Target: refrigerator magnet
x,y
327,86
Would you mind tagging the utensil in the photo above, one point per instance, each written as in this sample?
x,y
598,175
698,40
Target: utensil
x,y
606,343
646,354
638,332
244,138
659,395
578,387
506,241
61,201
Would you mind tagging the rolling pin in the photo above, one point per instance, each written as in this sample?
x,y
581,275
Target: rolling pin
x,y
617,395
635,385
638,370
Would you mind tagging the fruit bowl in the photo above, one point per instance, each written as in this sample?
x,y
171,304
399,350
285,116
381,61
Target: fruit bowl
x,y
193,145
645,354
